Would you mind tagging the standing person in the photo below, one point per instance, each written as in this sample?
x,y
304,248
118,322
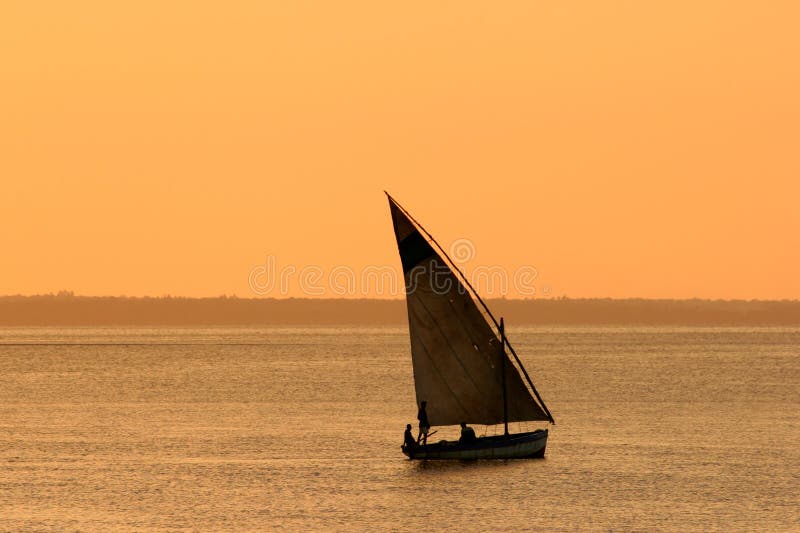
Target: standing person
x,y
424,425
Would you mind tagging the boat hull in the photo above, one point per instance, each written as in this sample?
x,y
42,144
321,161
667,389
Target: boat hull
x,y
515,446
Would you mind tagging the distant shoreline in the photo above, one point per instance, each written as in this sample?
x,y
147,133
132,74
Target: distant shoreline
x,y
69,310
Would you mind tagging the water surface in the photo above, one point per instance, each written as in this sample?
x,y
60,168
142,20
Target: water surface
x,y
252,429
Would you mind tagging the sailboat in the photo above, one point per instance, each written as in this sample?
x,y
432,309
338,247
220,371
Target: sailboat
x,y
460,355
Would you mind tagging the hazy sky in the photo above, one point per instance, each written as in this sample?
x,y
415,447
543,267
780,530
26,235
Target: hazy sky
x,y
621,148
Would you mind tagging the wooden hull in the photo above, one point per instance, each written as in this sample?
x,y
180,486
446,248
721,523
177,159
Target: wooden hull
x,y
515,446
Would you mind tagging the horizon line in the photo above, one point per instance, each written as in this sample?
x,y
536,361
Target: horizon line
x,y
71,294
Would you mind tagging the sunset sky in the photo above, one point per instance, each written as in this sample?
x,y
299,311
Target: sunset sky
x,y
623,149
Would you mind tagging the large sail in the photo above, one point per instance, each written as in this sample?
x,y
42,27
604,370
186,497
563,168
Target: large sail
x,y
458,359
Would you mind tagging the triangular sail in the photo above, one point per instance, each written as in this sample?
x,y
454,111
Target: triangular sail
x,y
456,355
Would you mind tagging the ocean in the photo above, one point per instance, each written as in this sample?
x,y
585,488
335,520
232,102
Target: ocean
x,y
253,429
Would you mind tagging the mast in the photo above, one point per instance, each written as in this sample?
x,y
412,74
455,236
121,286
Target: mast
x,y
485,307
503,369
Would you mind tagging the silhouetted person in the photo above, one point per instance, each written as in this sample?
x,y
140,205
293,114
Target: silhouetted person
x,y
424,425
409,442
467,434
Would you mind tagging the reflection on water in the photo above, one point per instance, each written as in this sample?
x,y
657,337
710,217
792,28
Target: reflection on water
x,y
249,429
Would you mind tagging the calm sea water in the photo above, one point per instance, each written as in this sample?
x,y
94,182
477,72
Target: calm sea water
x,y
300,428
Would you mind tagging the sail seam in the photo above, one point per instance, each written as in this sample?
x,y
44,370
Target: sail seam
x,y
438,371
453,351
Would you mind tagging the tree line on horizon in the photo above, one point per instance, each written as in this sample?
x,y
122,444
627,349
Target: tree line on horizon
x,y
66,309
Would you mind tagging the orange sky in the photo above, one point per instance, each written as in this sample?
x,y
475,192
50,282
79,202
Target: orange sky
x,y
622,148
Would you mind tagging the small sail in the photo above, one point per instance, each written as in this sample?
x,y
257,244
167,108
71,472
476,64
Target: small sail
x,y
457,356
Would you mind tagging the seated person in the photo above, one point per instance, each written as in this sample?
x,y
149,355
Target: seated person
x,y
467,434
408,438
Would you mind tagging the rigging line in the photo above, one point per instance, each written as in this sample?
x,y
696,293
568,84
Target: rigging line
x,y
480,300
